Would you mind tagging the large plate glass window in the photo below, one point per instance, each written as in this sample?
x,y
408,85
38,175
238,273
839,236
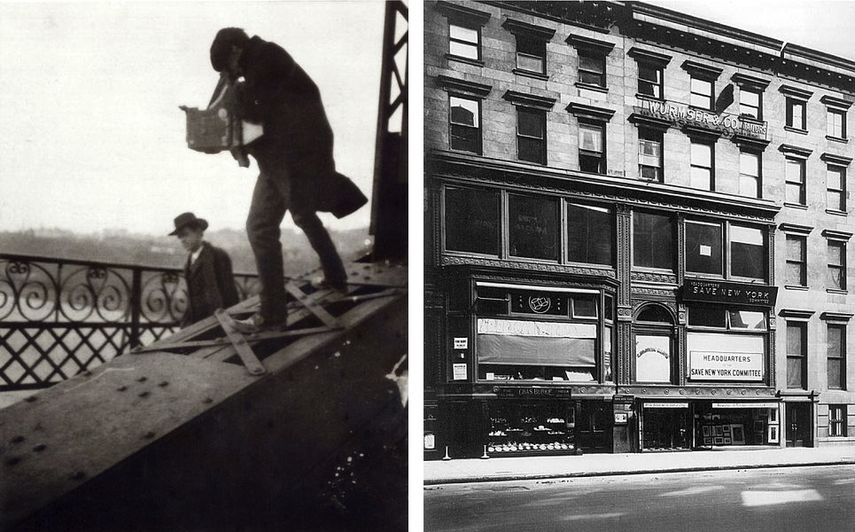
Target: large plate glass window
x,y
650,154
748,252
652,240
531,135
704,247
726,343
463,42
592,156
795,176
534,231
701,173
465,121
472,220
590,234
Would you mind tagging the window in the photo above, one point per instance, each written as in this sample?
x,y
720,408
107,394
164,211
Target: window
x,y
835,181
750,103
531,135
836,123
608,334
472,220
465,119
837,420
531,54
592,67
650,154
747,252
796,260
796,355
796,118
534,227
701,176
653,341
592,156
749,174
837,265
704,248
652,240
590,234
701,93
463,42
650,80
795,176
836,356
740,330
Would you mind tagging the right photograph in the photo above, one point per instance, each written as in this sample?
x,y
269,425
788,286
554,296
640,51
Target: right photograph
x,y
637,244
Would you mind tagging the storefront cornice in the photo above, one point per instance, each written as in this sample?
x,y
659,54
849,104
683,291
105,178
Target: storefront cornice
x,y
449,165
498,270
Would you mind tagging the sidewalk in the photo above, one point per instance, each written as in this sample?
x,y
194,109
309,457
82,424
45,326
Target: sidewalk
x,y
528,468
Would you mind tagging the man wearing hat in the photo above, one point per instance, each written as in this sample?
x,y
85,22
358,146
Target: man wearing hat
x,y
295,158
208,271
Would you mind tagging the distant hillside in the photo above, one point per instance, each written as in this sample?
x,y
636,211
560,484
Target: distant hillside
x,y
124,247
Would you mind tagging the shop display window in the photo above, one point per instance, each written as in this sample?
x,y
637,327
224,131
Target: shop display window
x,y
472,220
534,228
531,428
739,426
666,429
590,234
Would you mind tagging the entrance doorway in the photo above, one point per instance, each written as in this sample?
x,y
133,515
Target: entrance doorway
x,y
798,425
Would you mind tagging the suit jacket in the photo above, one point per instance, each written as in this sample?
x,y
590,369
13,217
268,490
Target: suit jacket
x,y
210,284
297,144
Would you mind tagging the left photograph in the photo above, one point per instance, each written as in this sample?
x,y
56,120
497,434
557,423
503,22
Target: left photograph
x,y
203,266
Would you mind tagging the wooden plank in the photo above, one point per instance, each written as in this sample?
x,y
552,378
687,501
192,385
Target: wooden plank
x,y
253,365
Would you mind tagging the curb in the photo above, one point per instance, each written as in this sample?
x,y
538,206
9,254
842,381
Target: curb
x,y
586,474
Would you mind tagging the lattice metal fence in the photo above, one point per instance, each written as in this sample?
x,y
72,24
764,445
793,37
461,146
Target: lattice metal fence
x,y
61,317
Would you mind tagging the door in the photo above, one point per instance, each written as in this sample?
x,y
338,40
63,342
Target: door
x,y
798,425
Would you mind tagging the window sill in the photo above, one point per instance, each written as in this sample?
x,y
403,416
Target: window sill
x,y
836,212
795,205
837,139
530,74
836,291
704,109
649,97
591,87
466,60
796,287
796,130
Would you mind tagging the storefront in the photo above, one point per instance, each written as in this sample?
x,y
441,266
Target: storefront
x,y
723,424
665,426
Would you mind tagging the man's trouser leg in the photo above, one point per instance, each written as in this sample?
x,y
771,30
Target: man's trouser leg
x,y
321,242
269,203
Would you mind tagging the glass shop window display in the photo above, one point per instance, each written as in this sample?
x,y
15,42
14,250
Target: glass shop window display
x,y
542,427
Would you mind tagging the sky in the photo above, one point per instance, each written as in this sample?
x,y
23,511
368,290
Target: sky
x,y
92,137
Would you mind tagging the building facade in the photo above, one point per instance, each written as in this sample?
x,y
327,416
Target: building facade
x,y
637,228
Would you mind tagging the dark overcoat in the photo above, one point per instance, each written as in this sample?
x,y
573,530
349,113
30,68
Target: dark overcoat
x,y
210,284
297,143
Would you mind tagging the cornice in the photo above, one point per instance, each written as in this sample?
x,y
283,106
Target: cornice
x,y
529,100
649,56
795,92
832,234
801,314
581,110
749,82
580,41
701,70
797,151
836,316
463,13
836,103
795,228
461,85
518,27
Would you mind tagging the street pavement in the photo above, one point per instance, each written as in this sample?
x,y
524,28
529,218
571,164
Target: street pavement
x,y
820,498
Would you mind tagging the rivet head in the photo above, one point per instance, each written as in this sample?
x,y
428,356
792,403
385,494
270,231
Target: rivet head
x,y
12,460
31,399
208,400
142,379
17,439
121,388
163,384
78,475
144,394
148,435
40,447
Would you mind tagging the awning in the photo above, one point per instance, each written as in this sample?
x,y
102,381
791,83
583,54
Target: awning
x,y
536,351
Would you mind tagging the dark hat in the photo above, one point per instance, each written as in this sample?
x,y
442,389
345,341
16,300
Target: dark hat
x,y
188,219
221,48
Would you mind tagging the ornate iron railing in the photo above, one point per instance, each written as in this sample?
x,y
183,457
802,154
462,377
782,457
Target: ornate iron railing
x,y
60,317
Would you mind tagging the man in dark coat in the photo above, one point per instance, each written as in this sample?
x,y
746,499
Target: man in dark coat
x,y
295,158
208,271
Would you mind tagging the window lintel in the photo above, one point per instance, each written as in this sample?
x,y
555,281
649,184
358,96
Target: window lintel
x,y
470,88
587,43
459,13
525,29
796,314
837,104
795,229
833,158
701,70
836,316
840,236
598,114
795,92
529,100
795,151
744,81
649,56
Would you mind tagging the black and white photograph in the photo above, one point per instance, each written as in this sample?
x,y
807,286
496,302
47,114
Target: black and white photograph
x,y
203,266
639,265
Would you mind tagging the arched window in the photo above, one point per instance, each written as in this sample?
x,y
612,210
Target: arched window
x,y
654,344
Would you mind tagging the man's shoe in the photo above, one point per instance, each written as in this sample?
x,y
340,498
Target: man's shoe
x,y
258,323
326,284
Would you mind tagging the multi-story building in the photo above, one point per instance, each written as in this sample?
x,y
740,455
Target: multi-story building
x,y
637,231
